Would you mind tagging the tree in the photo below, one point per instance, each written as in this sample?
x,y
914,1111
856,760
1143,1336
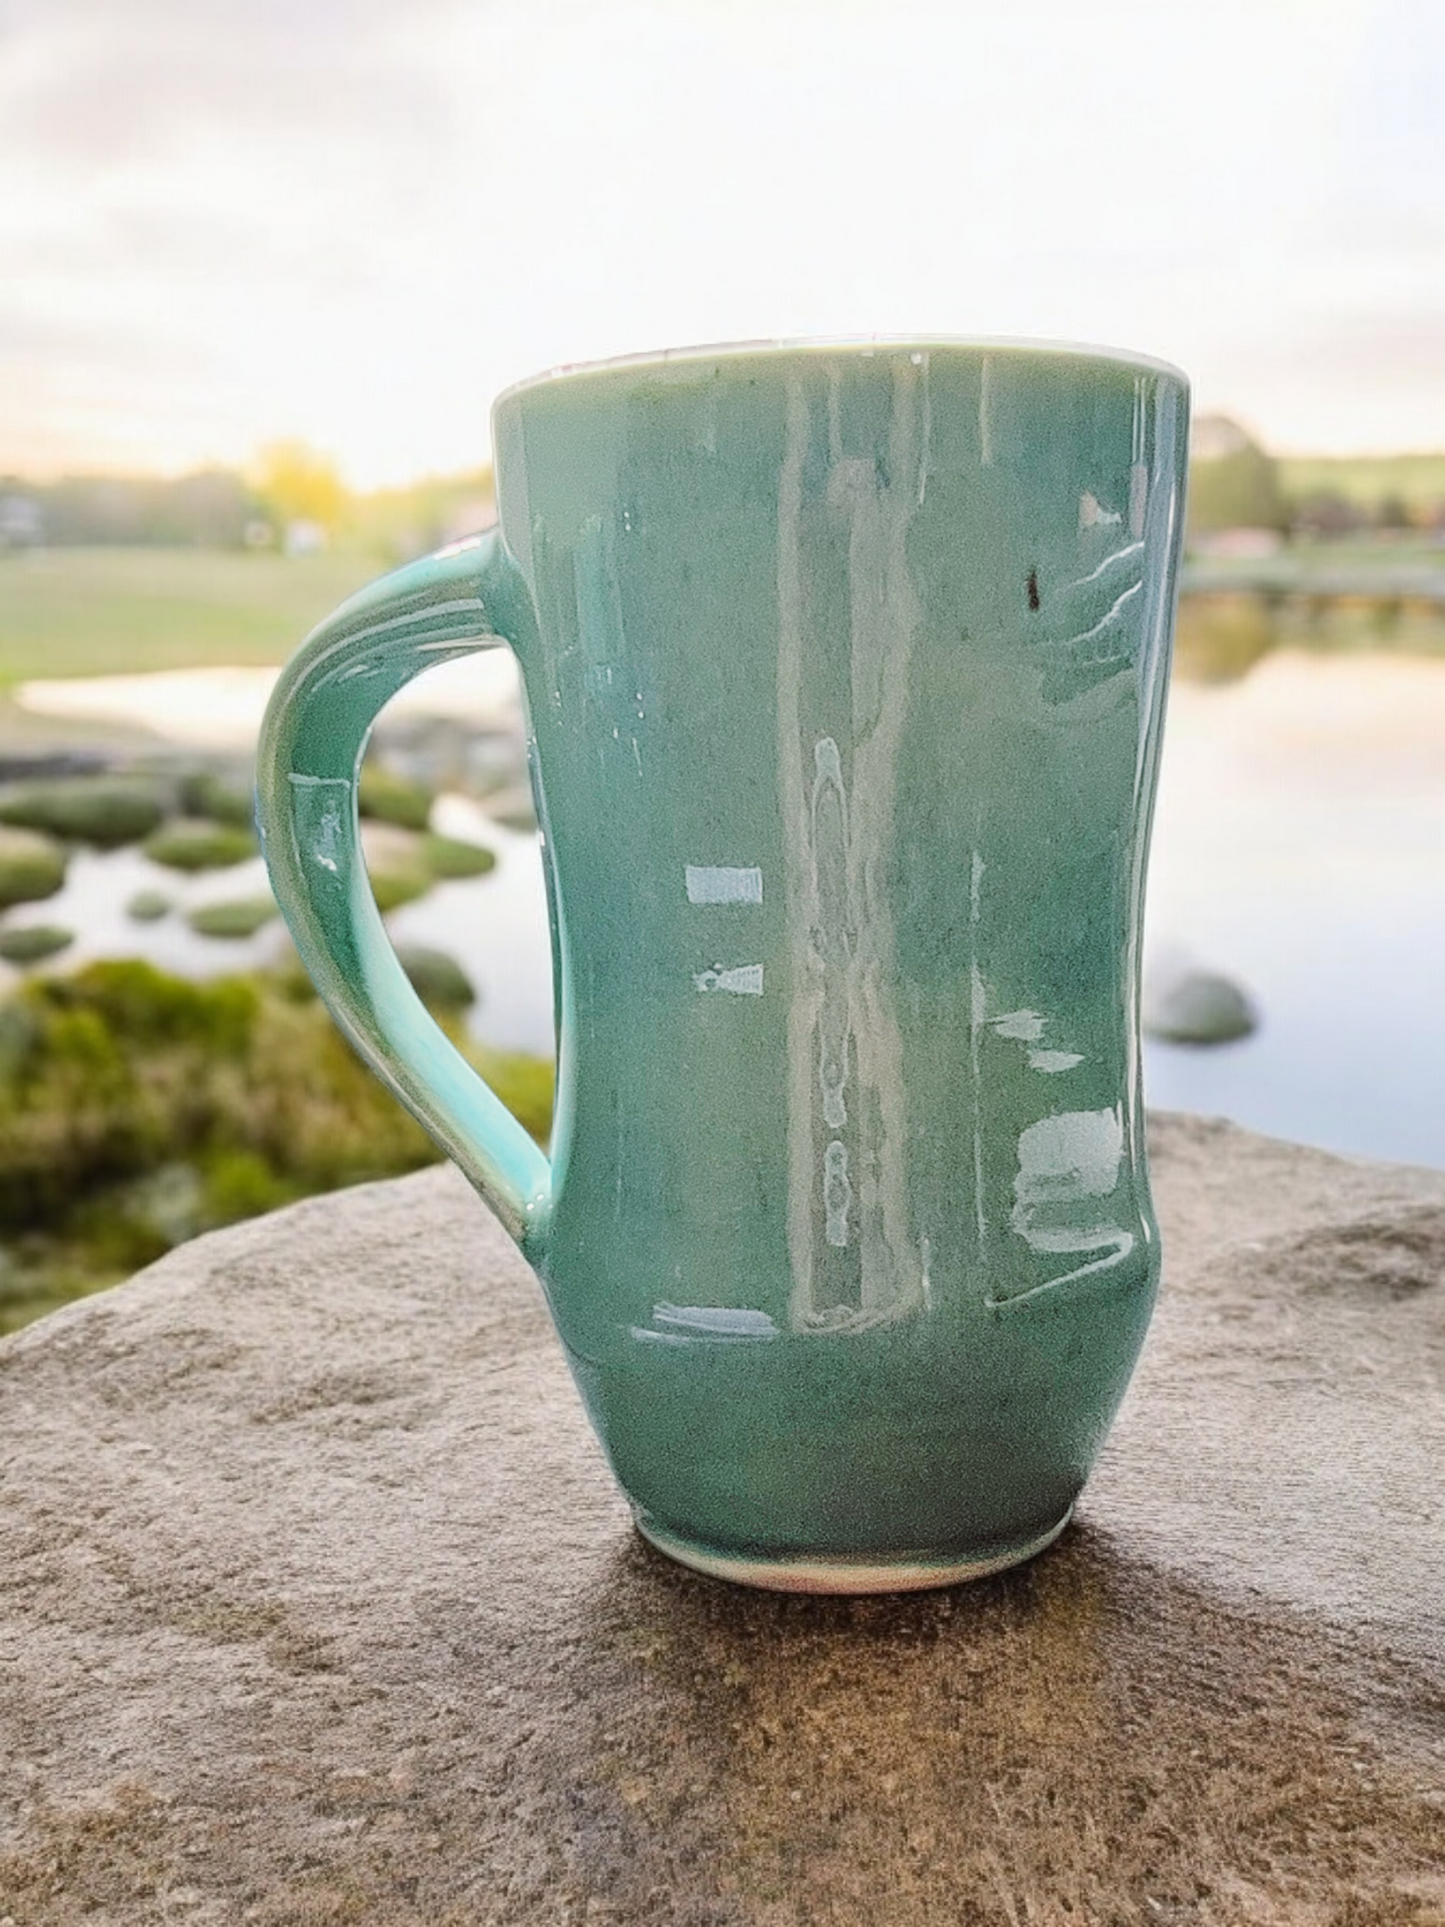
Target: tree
x,y
1327,512
1393,513
296,484
1233,483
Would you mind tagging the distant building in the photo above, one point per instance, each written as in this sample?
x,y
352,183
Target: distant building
x,y
304,537
469,516
22,522
1240,544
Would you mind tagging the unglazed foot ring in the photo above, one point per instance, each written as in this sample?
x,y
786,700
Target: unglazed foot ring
x,y
825,1575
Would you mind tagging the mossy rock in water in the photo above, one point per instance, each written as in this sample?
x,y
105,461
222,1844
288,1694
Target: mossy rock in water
x,y
28,943
105,810
514,808
236,917
192,843
394,862
149,906
31,867
437,979
1199,1007
395,884
208,793
388,798
450,856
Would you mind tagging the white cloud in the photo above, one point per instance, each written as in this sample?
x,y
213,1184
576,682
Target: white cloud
x,y
355,222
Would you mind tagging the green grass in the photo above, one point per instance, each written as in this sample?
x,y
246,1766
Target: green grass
x,y
1367,557
96,612
1367,479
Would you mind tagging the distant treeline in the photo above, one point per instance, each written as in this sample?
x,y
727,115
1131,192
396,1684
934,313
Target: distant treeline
x,y
1235,483
295,499
214,509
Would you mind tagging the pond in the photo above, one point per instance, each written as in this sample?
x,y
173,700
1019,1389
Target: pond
x,y
1299,848
495,927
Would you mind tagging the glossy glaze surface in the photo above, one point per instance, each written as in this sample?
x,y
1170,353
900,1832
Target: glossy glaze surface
x,y
845,669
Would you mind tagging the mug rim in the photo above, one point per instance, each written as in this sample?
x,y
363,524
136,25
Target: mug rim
x,y
862,346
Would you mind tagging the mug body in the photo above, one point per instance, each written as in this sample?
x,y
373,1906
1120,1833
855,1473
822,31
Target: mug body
x,y
845,693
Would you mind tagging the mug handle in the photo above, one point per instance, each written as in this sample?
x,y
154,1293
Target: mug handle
x,y
467,597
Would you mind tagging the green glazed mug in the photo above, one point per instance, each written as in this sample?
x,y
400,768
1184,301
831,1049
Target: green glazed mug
x,y
844,668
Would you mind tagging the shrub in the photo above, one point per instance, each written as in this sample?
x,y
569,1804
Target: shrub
x,y
137,1109
148,1008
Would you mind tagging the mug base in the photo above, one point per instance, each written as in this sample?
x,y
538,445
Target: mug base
x,y
840,1575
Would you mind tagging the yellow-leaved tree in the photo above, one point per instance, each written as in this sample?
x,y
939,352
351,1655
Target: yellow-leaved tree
x,y
300,486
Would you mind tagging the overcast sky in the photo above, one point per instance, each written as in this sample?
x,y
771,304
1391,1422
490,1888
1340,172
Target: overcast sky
x,y
224,221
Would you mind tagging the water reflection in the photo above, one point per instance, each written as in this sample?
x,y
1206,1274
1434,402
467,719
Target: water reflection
x,y
1300,846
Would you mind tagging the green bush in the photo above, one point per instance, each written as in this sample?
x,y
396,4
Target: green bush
x,y
191,843
32,867
526,1085
137,1109
149,1009
1235,485
105,810
241,1184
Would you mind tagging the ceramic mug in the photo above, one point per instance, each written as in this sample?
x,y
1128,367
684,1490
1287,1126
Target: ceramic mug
x,y
844,668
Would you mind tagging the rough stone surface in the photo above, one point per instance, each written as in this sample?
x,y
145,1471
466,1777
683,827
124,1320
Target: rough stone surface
x,y
317,1606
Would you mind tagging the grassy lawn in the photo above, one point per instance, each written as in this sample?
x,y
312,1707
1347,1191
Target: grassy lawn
x,y
1411,568
1368,479
95,612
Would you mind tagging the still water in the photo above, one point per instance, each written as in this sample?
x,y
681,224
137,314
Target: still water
x,y
1299,848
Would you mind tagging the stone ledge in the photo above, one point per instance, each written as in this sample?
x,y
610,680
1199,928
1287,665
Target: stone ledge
x,y
318,1606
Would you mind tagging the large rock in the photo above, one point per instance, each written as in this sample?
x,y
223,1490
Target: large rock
x,y
1193,1006
105,810
32,867
317,1606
